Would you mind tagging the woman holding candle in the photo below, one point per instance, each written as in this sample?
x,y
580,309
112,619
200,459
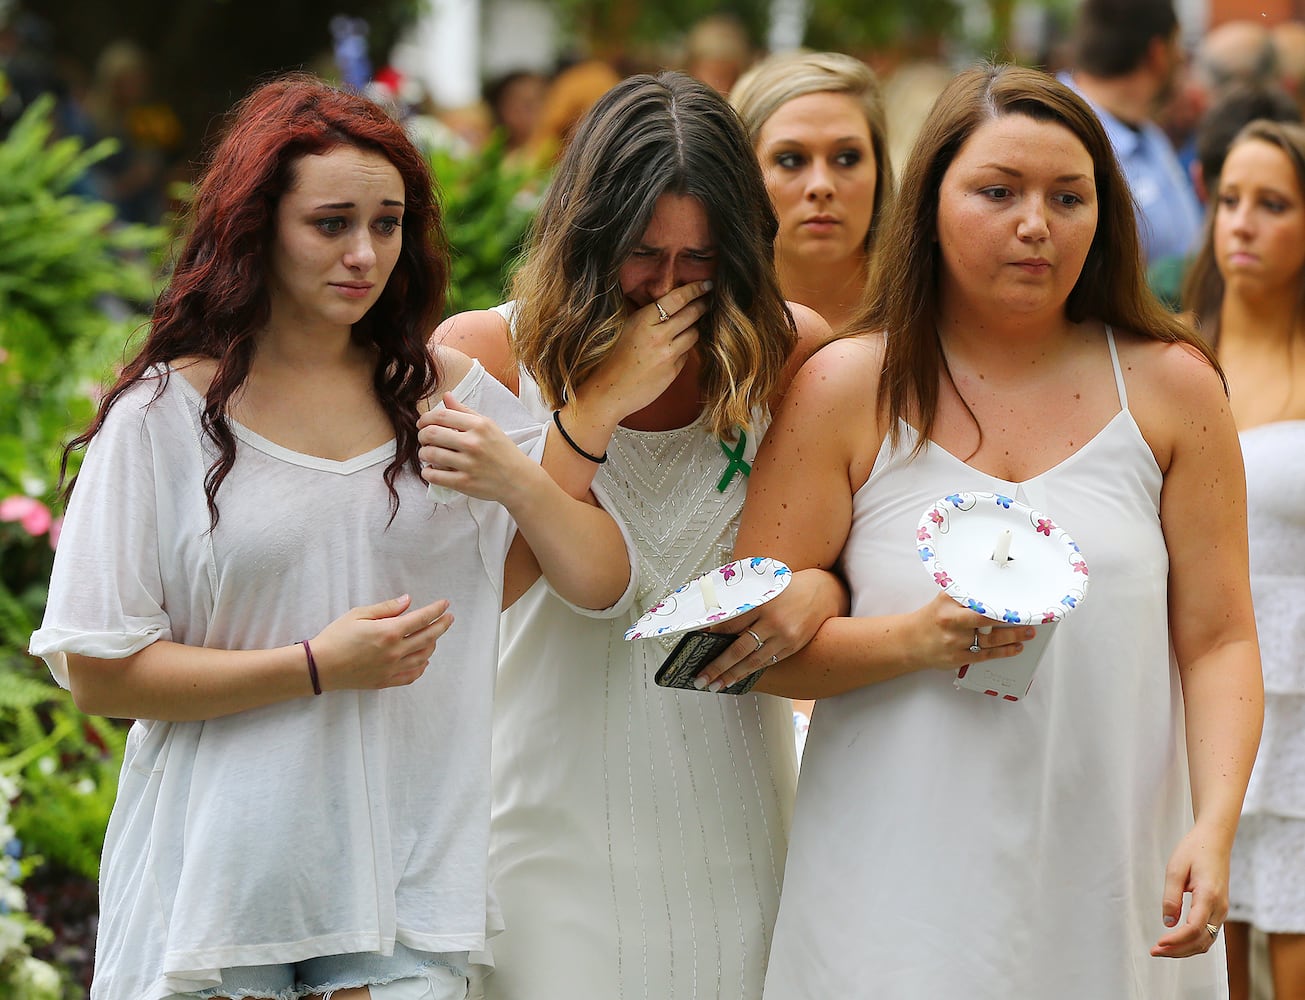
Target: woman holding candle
x,y
639,832
950,844
250,567
1247,287
816,120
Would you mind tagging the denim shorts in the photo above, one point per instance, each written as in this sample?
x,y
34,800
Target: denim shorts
x,y
439,976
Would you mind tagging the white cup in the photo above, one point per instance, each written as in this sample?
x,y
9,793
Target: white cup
x,y
1010,677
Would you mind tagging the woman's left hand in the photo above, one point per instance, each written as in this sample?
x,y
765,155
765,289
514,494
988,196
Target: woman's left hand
x,y
1199,865
777,629
467,452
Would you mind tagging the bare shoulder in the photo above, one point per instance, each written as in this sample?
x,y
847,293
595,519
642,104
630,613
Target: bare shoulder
x,y
830,419
1167,374
837,391
812,330
484,335
196,370
1174,393
846,369
453,367
812,333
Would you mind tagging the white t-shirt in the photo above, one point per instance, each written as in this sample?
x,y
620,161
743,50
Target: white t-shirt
x,y
323,825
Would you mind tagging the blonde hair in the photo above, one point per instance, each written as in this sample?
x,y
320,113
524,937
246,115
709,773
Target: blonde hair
x,y
778,79
646,137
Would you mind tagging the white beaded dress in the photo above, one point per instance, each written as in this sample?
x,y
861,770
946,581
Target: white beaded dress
x,y
638,833
949,845
1267,886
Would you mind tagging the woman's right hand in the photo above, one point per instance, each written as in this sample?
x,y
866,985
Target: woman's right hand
x,y
649,353
944,633
379,646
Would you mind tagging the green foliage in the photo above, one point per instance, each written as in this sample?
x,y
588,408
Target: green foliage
x,y
856,26
71,287
623,23
69,764
488,203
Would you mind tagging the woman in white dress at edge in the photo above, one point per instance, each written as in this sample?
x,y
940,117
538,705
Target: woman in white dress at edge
x,y
303,807
948,844
1246,287
639,832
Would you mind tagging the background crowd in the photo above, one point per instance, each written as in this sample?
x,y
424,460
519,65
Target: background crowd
x,y
832,132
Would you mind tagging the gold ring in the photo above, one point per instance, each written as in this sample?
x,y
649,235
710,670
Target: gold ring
x,y
755,638
661,312
1214,931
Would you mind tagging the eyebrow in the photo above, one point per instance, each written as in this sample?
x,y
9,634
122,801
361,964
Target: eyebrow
x,y
387,202
648,246
1258,189
783,139
1012,172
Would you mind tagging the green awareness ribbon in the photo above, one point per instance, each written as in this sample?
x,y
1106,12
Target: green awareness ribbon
x,y
736,462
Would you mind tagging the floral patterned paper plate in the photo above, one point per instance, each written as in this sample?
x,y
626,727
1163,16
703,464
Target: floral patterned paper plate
x,y
1045,579
739,586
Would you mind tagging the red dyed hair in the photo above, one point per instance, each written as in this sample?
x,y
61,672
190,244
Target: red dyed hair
x,y
217,298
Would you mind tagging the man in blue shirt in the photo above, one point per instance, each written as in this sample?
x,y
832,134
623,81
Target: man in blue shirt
x,y
1127,55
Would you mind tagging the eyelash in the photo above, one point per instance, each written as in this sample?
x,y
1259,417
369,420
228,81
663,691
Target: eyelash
x,y
795,161
698,258
335,225
1273,205
1066,199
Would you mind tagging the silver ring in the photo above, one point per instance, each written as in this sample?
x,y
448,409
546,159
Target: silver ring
x,y
1214,931
974,646
755,638
661,312
774,659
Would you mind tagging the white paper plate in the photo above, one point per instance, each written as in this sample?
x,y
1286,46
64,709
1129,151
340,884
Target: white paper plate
x,y
1045,581
740,586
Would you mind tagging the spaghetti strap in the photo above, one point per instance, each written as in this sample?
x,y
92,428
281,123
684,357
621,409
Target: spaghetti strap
x,y
1119,372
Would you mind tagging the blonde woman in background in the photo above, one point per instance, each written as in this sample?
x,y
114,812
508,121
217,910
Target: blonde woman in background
x,y
1247,288
816,121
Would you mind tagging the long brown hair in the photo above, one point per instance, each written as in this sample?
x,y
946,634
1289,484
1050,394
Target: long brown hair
x,y
217,298
649,136
1204,287
903,290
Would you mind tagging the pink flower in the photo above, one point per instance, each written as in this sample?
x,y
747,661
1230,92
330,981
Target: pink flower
x,y
1081,567
1044,525
1048,616
922,534
942,579
33,515
936,516
728,572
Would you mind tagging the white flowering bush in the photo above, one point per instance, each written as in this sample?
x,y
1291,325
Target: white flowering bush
x,y
22,977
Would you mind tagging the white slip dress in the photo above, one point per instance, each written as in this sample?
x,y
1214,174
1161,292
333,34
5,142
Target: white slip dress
x,y
1267,886
638,833
948,844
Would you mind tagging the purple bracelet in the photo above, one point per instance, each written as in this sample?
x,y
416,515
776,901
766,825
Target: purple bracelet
x,y
312,667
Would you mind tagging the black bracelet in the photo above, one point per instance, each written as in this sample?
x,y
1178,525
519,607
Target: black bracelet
x,y
312,667
596,459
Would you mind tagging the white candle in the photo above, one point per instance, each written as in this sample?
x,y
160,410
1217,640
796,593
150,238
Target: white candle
x,y
709,599
1001,553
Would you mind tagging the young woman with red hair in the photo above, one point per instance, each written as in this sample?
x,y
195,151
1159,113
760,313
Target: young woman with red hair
x,y
253,570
